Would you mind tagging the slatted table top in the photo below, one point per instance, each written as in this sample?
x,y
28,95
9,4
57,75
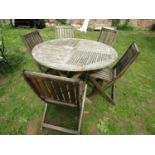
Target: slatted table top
x,y
73,54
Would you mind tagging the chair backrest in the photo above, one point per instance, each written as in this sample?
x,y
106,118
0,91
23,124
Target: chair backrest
x,y
107,36
32,39
64,32
54,89
126,60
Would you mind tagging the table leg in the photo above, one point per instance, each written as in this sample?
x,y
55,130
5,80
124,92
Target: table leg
x,y
88,100
77,75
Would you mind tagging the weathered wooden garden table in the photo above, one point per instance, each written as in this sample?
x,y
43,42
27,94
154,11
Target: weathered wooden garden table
x,y
74,55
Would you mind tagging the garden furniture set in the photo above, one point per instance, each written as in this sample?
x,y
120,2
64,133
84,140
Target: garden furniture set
x,y
69,64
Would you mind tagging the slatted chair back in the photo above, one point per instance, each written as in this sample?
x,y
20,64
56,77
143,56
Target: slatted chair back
x,y
107,36
32,39
126,60
64,32
54,89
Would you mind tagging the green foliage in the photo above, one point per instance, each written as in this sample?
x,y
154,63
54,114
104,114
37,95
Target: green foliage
x,y
62,21
115,22
153,27
125,26
103,125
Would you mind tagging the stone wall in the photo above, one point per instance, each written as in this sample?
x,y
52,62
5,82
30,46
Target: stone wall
x,y
145,23
92,21
138,23
142,23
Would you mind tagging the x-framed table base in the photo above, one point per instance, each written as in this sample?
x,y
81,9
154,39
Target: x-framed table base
x,y
101,90
84,77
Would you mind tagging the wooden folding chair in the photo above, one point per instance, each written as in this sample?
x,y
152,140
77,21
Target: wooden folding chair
x,y
58,90
30,40
110,75
107,36
64,32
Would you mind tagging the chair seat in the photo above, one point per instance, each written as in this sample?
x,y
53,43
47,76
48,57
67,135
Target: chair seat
x,y
105,74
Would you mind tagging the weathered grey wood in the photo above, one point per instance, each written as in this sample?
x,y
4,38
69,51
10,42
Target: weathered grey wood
x,y
75,55
58,128
31,40
126,60
49,100
57,90
113,86
99,88
117,71
44,115
107,36
82,108
113,92
105,73
64,31
56,84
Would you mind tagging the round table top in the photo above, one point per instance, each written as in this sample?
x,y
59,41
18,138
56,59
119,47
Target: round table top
x,y
74,54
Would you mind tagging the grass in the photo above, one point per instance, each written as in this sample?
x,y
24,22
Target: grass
x,y
21,110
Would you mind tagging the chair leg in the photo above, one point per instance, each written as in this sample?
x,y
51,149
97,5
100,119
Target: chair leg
x,y
102,91
113,92
82,109
53,127
44,114
94,89
109,98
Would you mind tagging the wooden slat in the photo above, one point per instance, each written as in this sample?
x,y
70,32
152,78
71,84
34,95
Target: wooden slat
x,y
32,39
43,88
77,94
49,76
65,91
107,36
58,128
49,100
57,89
39,83
72,92
51,89
82,109
48,92
127,59
64,32
33,85
104,74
